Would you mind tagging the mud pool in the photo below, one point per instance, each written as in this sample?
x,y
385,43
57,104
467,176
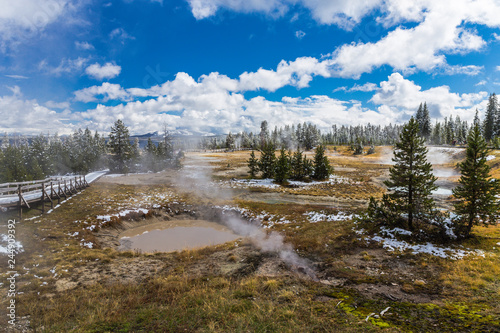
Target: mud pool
x,y
177,236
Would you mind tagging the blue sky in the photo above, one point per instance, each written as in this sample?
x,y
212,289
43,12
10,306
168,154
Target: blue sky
x,y
214,66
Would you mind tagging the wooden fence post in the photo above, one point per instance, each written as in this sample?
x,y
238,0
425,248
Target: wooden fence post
x,y
20,203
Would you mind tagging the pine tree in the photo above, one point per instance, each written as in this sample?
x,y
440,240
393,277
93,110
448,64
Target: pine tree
x,y
12,168
489,120
477,191
322,168
425,125
411,180
119,144
267,160
297,165
229,141
308,167
150,156
253,165
358,147
264,133
419,117
282,169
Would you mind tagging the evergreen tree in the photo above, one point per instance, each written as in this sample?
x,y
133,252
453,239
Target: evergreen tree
x,y
322,168
308,167
151,156
264,133
267,160
425,125
282,169
229,141
297,166
411,180
477,191
358,147
120,147
489,120
419,117
13,166
253,165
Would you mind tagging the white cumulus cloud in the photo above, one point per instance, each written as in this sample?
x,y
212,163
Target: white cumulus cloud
x,y
106,71
404,96
107,90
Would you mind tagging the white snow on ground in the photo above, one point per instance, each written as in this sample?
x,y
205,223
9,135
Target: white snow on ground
x,y
314,217
389,242
4,245
123,213
270,220
442,191
490,157
269,183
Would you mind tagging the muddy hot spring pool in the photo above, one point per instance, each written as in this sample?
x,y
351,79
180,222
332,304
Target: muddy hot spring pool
x,y
175,236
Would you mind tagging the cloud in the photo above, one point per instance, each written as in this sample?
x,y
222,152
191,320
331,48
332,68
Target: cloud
x,y
296,73
404,96
57,105
27,19
205,8
234,113
107,90
17,77
106,71
120,34
213,104
443,30
368,86
341,12
66,66
29,117
84,46
300,34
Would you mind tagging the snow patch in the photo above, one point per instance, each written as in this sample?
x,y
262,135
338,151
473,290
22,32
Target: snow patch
x,y
314,217
5,242
389,242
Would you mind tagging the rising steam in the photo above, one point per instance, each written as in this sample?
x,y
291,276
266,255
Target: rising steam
x,y
197,178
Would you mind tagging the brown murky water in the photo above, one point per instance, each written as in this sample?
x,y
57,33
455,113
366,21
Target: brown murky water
x,y
178,235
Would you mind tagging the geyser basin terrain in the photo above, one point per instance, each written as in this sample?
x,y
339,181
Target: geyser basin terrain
x,y
175,236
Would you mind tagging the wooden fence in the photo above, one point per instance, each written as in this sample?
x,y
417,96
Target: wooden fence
x,y
22,194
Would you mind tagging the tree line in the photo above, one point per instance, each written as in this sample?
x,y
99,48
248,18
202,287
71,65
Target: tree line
x,y
82,152
289,165
450,131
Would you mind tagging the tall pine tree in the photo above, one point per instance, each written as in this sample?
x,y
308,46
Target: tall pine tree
x,y
253,165
411,180
119,143
477,191
489,120
322,168
267,160
282,169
